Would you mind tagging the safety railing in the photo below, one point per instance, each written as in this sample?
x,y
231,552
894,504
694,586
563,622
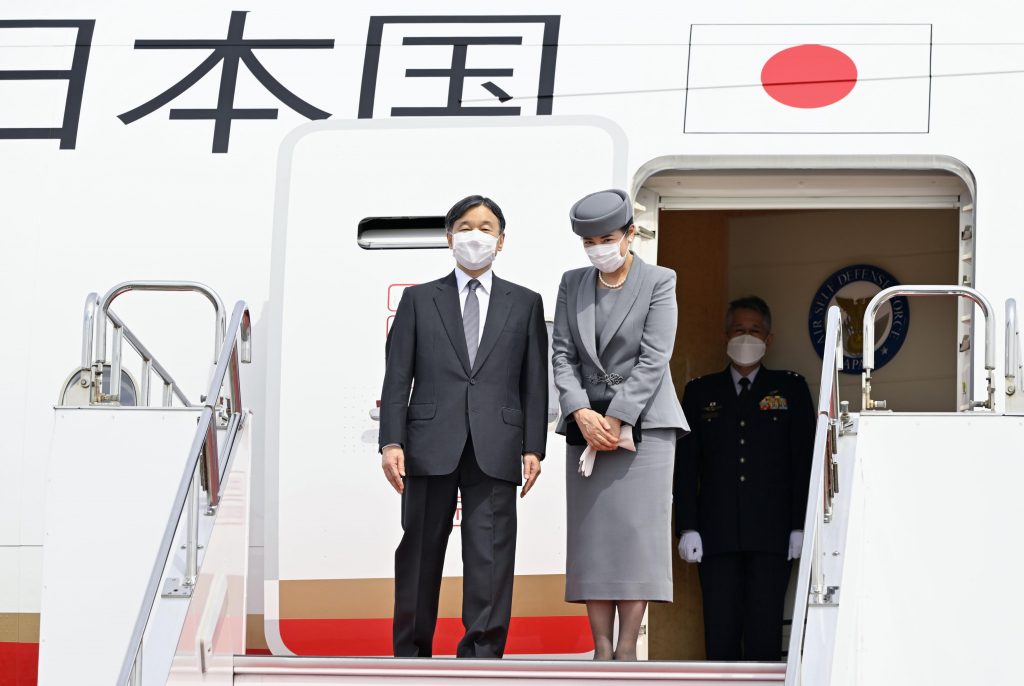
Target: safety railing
x,y
94,340
812,588
204,453
1011,348
94,364
1012,361
882,297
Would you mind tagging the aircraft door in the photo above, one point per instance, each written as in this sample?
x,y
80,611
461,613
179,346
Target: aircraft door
x,y
359,217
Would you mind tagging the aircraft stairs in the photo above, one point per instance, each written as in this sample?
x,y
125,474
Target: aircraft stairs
x,y
906,576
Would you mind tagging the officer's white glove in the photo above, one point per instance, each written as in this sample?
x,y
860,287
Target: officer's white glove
x,y
796,544
691,549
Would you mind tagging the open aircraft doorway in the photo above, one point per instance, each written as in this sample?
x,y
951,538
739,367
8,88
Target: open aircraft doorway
x,y
806,233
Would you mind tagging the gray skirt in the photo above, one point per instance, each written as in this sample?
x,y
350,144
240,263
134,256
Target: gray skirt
x,y
619,522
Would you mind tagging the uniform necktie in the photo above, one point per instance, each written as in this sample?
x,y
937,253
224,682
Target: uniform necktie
x,y
744,388
471,321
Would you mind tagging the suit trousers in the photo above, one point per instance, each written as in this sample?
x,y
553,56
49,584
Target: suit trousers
x,y
744,597
488,528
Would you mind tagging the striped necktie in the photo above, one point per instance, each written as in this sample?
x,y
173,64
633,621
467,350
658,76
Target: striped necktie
x,y
471,321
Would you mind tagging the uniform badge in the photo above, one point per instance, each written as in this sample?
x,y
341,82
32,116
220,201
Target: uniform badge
x,y
773,401
710,411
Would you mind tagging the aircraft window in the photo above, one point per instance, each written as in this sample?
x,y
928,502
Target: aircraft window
x,y
399,233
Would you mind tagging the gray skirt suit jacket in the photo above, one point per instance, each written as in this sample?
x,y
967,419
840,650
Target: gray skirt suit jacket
x,y
619,519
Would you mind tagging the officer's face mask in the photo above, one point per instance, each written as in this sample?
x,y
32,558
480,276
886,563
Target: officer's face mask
x,y
745,350
474,249
607,257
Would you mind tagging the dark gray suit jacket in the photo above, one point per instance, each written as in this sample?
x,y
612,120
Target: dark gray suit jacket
x,y
502,401
635,344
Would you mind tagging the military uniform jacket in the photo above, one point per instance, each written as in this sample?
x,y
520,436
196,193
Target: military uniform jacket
x,y
742,473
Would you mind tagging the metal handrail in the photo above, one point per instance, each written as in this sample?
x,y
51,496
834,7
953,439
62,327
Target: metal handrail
x,y
238,338
92,302
888,294
102,314
226,370
810,578
1011,347
896,291
149,361
167,287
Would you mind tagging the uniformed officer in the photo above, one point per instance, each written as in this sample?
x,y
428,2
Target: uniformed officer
x,y
741,488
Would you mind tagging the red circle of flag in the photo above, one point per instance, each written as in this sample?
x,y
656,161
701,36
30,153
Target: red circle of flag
x,y
809,76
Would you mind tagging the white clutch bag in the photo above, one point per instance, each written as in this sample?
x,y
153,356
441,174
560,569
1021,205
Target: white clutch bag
x,y
589,454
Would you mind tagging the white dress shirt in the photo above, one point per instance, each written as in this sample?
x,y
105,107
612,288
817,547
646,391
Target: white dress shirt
x,y
736,376
483,293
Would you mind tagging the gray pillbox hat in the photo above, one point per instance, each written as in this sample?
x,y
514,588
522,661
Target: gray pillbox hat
x,y
600,213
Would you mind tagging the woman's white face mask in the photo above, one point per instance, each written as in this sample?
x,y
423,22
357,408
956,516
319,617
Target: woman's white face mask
x,y
745,350
607,257
474,249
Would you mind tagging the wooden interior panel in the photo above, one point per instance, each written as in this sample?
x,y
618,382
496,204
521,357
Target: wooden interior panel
x,y
696,246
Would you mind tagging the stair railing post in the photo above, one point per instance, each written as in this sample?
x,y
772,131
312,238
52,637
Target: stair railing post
x,y
192,533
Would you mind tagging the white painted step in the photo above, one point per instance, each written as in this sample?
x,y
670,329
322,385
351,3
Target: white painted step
x,y
319,671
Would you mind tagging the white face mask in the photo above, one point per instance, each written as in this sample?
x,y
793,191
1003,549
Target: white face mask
x,y
474,249
606,256
745,350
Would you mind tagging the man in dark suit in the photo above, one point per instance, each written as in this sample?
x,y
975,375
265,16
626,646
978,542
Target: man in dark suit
x,y
476,347
741,485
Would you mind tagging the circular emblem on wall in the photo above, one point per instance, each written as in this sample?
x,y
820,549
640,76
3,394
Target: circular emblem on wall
x,y
851,288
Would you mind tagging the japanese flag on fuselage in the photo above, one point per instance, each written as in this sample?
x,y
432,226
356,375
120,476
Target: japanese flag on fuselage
x,y
807,78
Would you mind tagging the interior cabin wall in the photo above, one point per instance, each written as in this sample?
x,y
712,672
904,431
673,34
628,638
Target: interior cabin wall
x,y
696,245
785,256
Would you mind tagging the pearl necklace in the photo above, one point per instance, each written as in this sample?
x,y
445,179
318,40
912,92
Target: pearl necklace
x,y
609,285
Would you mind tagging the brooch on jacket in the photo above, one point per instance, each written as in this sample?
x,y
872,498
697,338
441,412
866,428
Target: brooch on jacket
x,y
773,402
612,379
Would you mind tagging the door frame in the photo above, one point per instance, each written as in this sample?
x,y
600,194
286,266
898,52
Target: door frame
x,y
648,203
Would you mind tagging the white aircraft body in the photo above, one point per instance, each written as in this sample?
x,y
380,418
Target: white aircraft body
x,y
300,157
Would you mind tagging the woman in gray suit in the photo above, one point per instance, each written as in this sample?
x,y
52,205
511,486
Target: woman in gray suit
x,y
615,325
